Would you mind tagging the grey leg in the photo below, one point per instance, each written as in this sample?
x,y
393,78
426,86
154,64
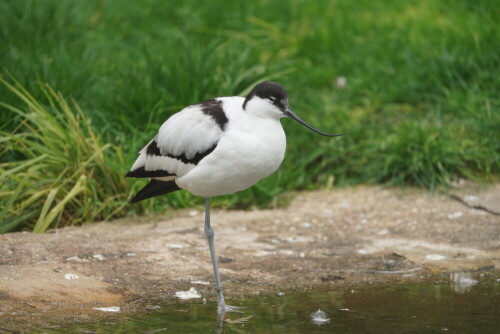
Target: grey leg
x,y
209,232
222,308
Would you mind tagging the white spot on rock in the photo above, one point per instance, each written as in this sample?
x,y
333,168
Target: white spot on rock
x,y
455,215
108,309
75,259
286,252
71,276
175,246
264,253
191,294
296,239
200,282
99,257
383,232
435,257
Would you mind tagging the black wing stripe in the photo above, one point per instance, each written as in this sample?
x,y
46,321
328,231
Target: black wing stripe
x,y
141,172
214,109
153,149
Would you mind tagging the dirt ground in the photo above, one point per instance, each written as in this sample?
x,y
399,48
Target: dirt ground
x,y
323,240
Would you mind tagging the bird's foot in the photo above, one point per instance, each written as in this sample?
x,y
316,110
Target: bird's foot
x,y
221,309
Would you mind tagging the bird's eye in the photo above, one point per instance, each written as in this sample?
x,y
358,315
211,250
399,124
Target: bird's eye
x,y
273,99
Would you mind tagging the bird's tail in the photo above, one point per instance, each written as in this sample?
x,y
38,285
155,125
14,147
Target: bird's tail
x,y
155,188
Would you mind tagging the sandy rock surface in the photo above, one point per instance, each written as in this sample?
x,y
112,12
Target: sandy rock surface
x,y
323,240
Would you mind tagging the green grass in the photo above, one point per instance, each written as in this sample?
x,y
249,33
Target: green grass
x,y
421,104
61,167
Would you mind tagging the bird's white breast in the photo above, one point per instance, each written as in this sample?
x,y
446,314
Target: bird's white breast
x,y
250,149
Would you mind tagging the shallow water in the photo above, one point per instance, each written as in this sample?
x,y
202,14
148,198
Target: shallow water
x,y
452,308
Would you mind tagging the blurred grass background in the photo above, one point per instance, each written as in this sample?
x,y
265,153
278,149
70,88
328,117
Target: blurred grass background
x,y
87,83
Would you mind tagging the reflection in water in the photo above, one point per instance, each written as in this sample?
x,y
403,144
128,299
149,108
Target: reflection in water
x,y
462,282
319,318
220,323
396,309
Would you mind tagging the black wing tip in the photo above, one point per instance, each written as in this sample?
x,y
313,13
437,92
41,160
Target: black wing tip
x,y
155,188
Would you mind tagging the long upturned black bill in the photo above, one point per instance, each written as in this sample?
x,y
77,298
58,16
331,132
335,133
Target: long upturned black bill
x,y
293,116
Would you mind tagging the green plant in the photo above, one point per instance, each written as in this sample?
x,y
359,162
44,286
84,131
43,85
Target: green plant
x,y
62,173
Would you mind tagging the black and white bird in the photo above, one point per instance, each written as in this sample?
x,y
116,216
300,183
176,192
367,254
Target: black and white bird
x,y
216,147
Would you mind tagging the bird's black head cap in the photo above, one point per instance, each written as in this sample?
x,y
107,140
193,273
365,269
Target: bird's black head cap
x,y
272,91
276,95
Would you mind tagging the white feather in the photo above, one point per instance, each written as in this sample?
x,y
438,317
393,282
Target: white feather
x,y
188,132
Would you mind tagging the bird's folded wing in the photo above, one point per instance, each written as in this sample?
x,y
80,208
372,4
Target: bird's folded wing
x,y
181,143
